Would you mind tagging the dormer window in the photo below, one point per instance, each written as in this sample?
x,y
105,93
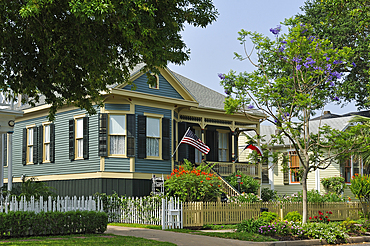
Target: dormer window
x,y
156,85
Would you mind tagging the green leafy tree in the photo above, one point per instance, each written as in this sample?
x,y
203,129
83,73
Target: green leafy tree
x,y
247,183
295,76
344,23
70,51
360,187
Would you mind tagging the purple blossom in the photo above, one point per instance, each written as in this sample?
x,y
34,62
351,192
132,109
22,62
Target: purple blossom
x,y
281,48
336,98
227,92
327,58
328,67
221,76
311,38
353,64
298,67
292,41
305,30
296,59
276,30
336,74
283,42
250,106
337,62
306,64
331,84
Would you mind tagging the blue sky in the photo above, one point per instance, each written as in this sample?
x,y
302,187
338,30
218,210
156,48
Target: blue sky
x,y
212,48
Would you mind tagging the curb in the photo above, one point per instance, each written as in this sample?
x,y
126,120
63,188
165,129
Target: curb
x,y
359,239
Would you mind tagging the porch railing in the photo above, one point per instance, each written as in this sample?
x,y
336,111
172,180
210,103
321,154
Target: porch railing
x,y
225,169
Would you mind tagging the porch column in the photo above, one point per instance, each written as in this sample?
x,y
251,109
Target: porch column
x,y
10,161
203,155
2,160
232,146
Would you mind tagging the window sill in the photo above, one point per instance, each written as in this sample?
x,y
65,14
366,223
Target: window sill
x,y
30,163
79,158
46,162
117,156
294,183
153,158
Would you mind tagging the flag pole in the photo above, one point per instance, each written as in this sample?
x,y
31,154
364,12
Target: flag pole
x,y
180,143
241,153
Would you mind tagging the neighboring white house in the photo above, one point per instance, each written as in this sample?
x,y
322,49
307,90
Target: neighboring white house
x,y
287,183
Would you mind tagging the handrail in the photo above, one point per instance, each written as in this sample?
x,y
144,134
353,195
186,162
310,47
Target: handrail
x,y
230,190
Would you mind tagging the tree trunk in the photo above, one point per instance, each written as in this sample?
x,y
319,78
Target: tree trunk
x,y
304,191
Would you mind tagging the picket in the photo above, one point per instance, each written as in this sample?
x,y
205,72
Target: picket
x,y
60,204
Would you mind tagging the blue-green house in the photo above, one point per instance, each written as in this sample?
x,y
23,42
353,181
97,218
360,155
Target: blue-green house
x,y
132,137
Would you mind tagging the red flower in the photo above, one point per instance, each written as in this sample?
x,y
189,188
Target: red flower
x,y
315,217
319,212
328,220
241,183
201,181
310,218
326,217
320,218
326,211
349,198
330,212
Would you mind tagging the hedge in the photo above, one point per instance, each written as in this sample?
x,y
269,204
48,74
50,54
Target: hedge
x,y
21,224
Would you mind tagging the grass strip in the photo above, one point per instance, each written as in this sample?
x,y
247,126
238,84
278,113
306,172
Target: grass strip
x,y
84,239
155,227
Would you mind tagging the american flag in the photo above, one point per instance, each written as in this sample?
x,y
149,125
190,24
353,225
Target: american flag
x,y
192,139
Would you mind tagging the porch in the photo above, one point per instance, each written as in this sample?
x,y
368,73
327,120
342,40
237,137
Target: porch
x,y
224,169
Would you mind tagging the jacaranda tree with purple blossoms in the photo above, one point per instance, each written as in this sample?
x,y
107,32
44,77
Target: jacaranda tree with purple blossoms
x,y
295,77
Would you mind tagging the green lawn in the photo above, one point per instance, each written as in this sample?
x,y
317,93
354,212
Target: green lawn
x,y
84,239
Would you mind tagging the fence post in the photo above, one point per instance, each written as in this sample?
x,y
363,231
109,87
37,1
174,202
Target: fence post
x,y
163,213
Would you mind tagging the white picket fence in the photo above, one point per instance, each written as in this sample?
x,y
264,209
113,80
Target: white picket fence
x,y
167,213
61,204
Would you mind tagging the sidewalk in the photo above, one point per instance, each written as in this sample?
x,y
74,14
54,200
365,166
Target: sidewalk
x,y
186,239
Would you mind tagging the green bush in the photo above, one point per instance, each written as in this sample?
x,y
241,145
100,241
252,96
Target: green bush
x,y
268,216
293,216
268,194
245,197
247,183
251,225
360,187
193,184
313,196
21,224
336,184
332,232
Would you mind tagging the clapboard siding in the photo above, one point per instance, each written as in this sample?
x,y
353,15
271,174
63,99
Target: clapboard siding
x,y
62,163
112,106
165,88
117,164
153,166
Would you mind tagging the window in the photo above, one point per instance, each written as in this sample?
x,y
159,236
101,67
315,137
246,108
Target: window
x,y
294,167
350,167
79,138
265,173
223,146
46,143
117,134
30,132
4,148
152,136
156,85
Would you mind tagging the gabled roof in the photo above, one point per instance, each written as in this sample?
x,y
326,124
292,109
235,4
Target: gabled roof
x,y
339,123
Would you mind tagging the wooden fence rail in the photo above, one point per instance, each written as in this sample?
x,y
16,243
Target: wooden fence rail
x,y
205,213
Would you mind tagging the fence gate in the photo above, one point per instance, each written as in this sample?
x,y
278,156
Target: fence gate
x,y
172,216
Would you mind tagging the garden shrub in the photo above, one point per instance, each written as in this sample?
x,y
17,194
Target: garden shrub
x,y
293,216
251,225
322,217
282,228
335,184
193,184
360,187
248,184
268,195
350,226
332,232
21,224
268,216
313,196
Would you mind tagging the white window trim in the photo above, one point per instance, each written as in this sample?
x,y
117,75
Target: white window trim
x,y
290,175
28,162
157,81
155,116
76,118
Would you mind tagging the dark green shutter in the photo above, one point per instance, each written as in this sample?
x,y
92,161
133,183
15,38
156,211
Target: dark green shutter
x,y
141,136
182,150
131,135
174,137
52,143
72,139
35,145
24,147
166,144
212,143
40,145
86,138
5,153
103,134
